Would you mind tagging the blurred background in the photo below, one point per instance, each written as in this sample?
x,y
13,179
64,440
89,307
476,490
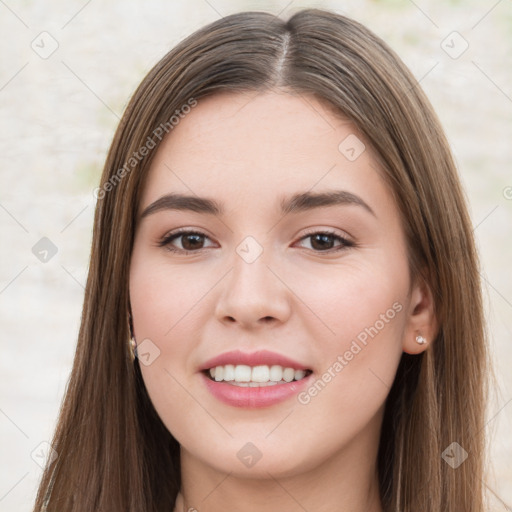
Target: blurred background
x,y
67,71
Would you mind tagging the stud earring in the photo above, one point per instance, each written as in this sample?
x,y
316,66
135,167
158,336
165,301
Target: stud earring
x,y
420,340
133,348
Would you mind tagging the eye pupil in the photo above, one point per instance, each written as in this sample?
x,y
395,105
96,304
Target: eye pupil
x,y
326,241
194,241
198,240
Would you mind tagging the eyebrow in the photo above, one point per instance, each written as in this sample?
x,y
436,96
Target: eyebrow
x,y
297,203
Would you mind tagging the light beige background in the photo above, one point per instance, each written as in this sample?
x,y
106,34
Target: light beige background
x,y
58,115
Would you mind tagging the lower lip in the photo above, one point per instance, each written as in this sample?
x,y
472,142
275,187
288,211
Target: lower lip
x,y
264,396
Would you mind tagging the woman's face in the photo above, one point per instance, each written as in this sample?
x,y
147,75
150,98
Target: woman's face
x,y
297,250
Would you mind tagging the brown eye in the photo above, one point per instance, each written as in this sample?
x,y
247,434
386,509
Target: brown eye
x,y
325,241
322,241
191,241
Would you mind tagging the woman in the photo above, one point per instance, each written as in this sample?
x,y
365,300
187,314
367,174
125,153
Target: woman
x,y
282,236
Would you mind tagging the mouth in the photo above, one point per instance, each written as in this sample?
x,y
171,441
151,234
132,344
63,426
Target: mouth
x,y
242,375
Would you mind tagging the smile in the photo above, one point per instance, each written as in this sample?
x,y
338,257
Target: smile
x,y
251,394
255,376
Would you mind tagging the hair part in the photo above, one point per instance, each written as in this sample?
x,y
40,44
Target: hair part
x,y
114,452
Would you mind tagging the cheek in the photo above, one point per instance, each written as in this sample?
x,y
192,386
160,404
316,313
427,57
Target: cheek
x,y
356,299
163,296
169,306
346,401
359,339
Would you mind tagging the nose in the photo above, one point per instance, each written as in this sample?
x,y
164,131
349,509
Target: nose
x,y
253,295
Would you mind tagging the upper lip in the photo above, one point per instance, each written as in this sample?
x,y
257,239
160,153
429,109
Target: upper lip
x,y
261,357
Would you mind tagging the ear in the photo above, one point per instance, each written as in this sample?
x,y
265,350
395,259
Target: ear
x,y
421,319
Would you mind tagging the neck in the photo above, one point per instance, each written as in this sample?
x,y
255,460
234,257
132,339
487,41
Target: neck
x,y
259,499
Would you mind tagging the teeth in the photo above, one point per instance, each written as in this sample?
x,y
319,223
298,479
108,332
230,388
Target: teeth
x,y
276,373
247,376
219,373
242,372
299,374
260,374
288,374
229,372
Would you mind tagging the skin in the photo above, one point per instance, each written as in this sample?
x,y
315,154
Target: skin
x,y
298,298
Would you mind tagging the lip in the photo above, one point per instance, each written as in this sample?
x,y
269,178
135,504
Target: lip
x,y
256,397
261,357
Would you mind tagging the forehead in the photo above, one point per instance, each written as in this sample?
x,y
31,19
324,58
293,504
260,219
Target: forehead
x,y
245,147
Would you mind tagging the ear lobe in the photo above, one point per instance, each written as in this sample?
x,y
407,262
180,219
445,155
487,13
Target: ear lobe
x,y
421,325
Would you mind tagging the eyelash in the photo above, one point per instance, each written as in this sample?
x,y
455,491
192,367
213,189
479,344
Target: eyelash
x,y
166,241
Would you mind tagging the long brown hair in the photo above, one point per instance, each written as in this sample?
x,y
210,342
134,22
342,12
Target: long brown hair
x,y
114,453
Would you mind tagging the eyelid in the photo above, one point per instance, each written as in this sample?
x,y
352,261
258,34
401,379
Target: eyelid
x,y
331,231
172,235
346,239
